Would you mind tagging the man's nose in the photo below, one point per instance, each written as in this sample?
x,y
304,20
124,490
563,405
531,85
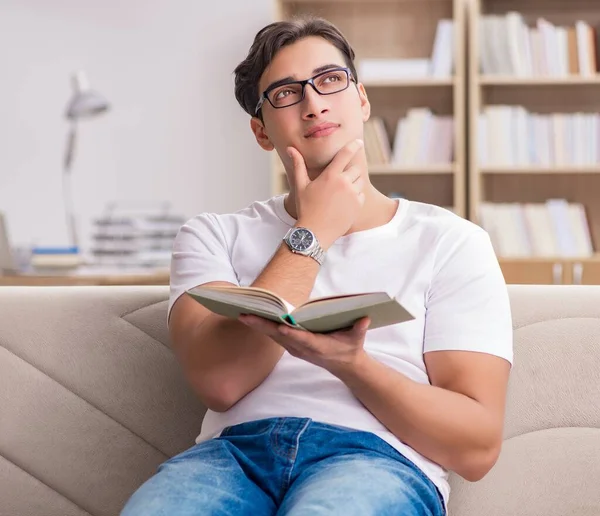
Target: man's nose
x,y
313,104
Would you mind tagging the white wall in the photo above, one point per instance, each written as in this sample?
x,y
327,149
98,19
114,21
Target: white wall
x,y
175,131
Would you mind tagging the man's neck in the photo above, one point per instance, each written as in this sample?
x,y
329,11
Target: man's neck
x,y
377,210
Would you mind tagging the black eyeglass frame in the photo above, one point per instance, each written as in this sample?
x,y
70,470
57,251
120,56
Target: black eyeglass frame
x,y
311,81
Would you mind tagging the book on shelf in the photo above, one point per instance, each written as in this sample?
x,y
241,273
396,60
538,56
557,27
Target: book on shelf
x,y
440,64
509,46
442,55
377,143
421,138
556,228
382,69
320,315
512,136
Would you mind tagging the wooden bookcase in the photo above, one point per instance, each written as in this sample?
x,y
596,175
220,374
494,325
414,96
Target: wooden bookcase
x,y
543,95
402,29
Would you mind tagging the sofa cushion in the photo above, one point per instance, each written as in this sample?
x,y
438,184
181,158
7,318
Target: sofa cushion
x,y
92,401
550,460
92,398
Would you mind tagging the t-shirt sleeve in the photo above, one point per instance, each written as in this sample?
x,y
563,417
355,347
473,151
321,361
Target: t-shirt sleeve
x,y
200,255
468,306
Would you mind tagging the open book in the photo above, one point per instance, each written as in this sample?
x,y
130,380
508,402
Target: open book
x,y
320,315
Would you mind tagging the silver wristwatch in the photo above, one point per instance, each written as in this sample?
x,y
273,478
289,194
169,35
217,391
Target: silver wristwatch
x,y
303,241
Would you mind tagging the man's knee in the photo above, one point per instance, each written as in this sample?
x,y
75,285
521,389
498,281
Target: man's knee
x,y
362,486
198,487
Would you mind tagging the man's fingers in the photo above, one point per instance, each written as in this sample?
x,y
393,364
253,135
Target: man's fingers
x,y
258,323
299,174
361,326
343,158
352,174
358,185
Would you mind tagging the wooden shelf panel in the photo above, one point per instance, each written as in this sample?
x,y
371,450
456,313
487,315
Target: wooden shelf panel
x,y
573,80
380,29
395,170
549,259
411,83
412,170
292,2
84,279
551,270
558,12
431,188
568,169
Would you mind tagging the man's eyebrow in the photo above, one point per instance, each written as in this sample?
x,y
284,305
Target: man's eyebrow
x,y
326,67
286,80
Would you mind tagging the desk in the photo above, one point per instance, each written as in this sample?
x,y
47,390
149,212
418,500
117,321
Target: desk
x,y
133,278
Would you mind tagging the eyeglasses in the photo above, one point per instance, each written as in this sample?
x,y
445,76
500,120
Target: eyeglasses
x,y
325,83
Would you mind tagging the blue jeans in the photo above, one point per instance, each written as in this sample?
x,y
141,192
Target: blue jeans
x,y
288,466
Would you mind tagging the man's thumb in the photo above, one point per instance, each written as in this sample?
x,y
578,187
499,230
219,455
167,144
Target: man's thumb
x,y
362,325
299,173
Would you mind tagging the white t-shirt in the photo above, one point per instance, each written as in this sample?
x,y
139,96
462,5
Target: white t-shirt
x,y
439,266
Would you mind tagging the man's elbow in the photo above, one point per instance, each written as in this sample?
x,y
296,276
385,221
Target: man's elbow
x,y
218,396
478,465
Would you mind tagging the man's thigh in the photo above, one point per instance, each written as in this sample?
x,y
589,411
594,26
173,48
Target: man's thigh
x,y
205,480
361,485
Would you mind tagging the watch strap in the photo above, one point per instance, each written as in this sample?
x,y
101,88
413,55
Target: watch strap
x,y
318,254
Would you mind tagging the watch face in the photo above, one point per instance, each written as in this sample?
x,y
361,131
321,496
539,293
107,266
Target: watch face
x,y
301,239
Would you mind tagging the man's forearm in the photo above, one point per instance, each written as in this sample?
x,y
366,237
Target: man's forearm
x,y
448,428
224,348
290,275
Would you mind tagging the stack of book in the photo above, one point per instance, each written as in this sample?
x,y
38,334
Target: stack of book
x,y
55,260
422,138
555,228
135,240
508,46
510,135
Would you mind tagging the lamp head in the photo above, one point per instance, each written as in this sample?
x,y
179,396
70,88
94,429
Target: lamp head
x,y
84,103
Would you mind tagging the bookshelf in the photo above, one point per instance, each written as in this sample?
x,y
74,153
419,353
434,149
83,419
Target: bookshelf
x,y
407,30
534,131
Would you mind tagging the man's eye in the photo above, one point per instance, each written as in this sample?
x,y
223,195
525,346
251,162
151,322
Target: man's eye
x,y
331,78
281,94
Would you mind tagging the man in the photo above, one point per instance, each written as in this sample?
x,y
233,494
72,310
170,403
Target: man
x,y
357,422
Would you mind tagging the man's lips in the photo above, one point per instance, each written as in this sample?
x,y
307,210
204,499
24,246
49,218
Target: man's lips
x,y
321,130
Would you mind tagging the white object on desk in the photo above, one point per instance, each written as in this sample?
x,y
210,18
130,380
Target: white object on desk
x,y
7,262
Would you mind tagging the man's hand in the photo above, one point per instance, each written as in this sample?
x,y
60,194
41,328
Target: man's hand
x,y
337,352
330,204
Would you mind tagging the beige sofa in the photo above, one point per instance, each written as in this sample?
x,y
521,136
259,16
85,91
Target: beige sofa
x,y
92,400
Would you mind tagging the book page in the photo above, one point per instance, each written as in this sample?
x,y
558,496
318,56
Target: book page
x,y
332,305
327,299
342,313
244,297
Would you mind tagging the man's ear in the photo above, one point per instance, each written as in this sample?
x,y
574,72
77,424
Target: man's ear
x,y
258,128
365,105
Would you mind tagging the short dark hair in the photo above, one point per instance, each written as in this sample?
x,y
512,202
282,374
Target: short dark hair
x,y
272,38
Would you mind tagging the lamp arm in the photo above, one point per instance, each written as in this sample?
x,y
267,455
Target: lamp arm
x,y
68,187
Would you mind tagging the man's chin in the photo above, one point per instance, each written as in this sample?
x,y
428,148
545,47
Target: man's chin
x,y
319,162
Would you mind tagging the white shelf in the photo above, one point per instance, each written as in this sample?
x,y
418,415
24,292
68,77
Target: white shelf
x,y
426,82
572,80
356,1
442,168
567,169
392,170
550,259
